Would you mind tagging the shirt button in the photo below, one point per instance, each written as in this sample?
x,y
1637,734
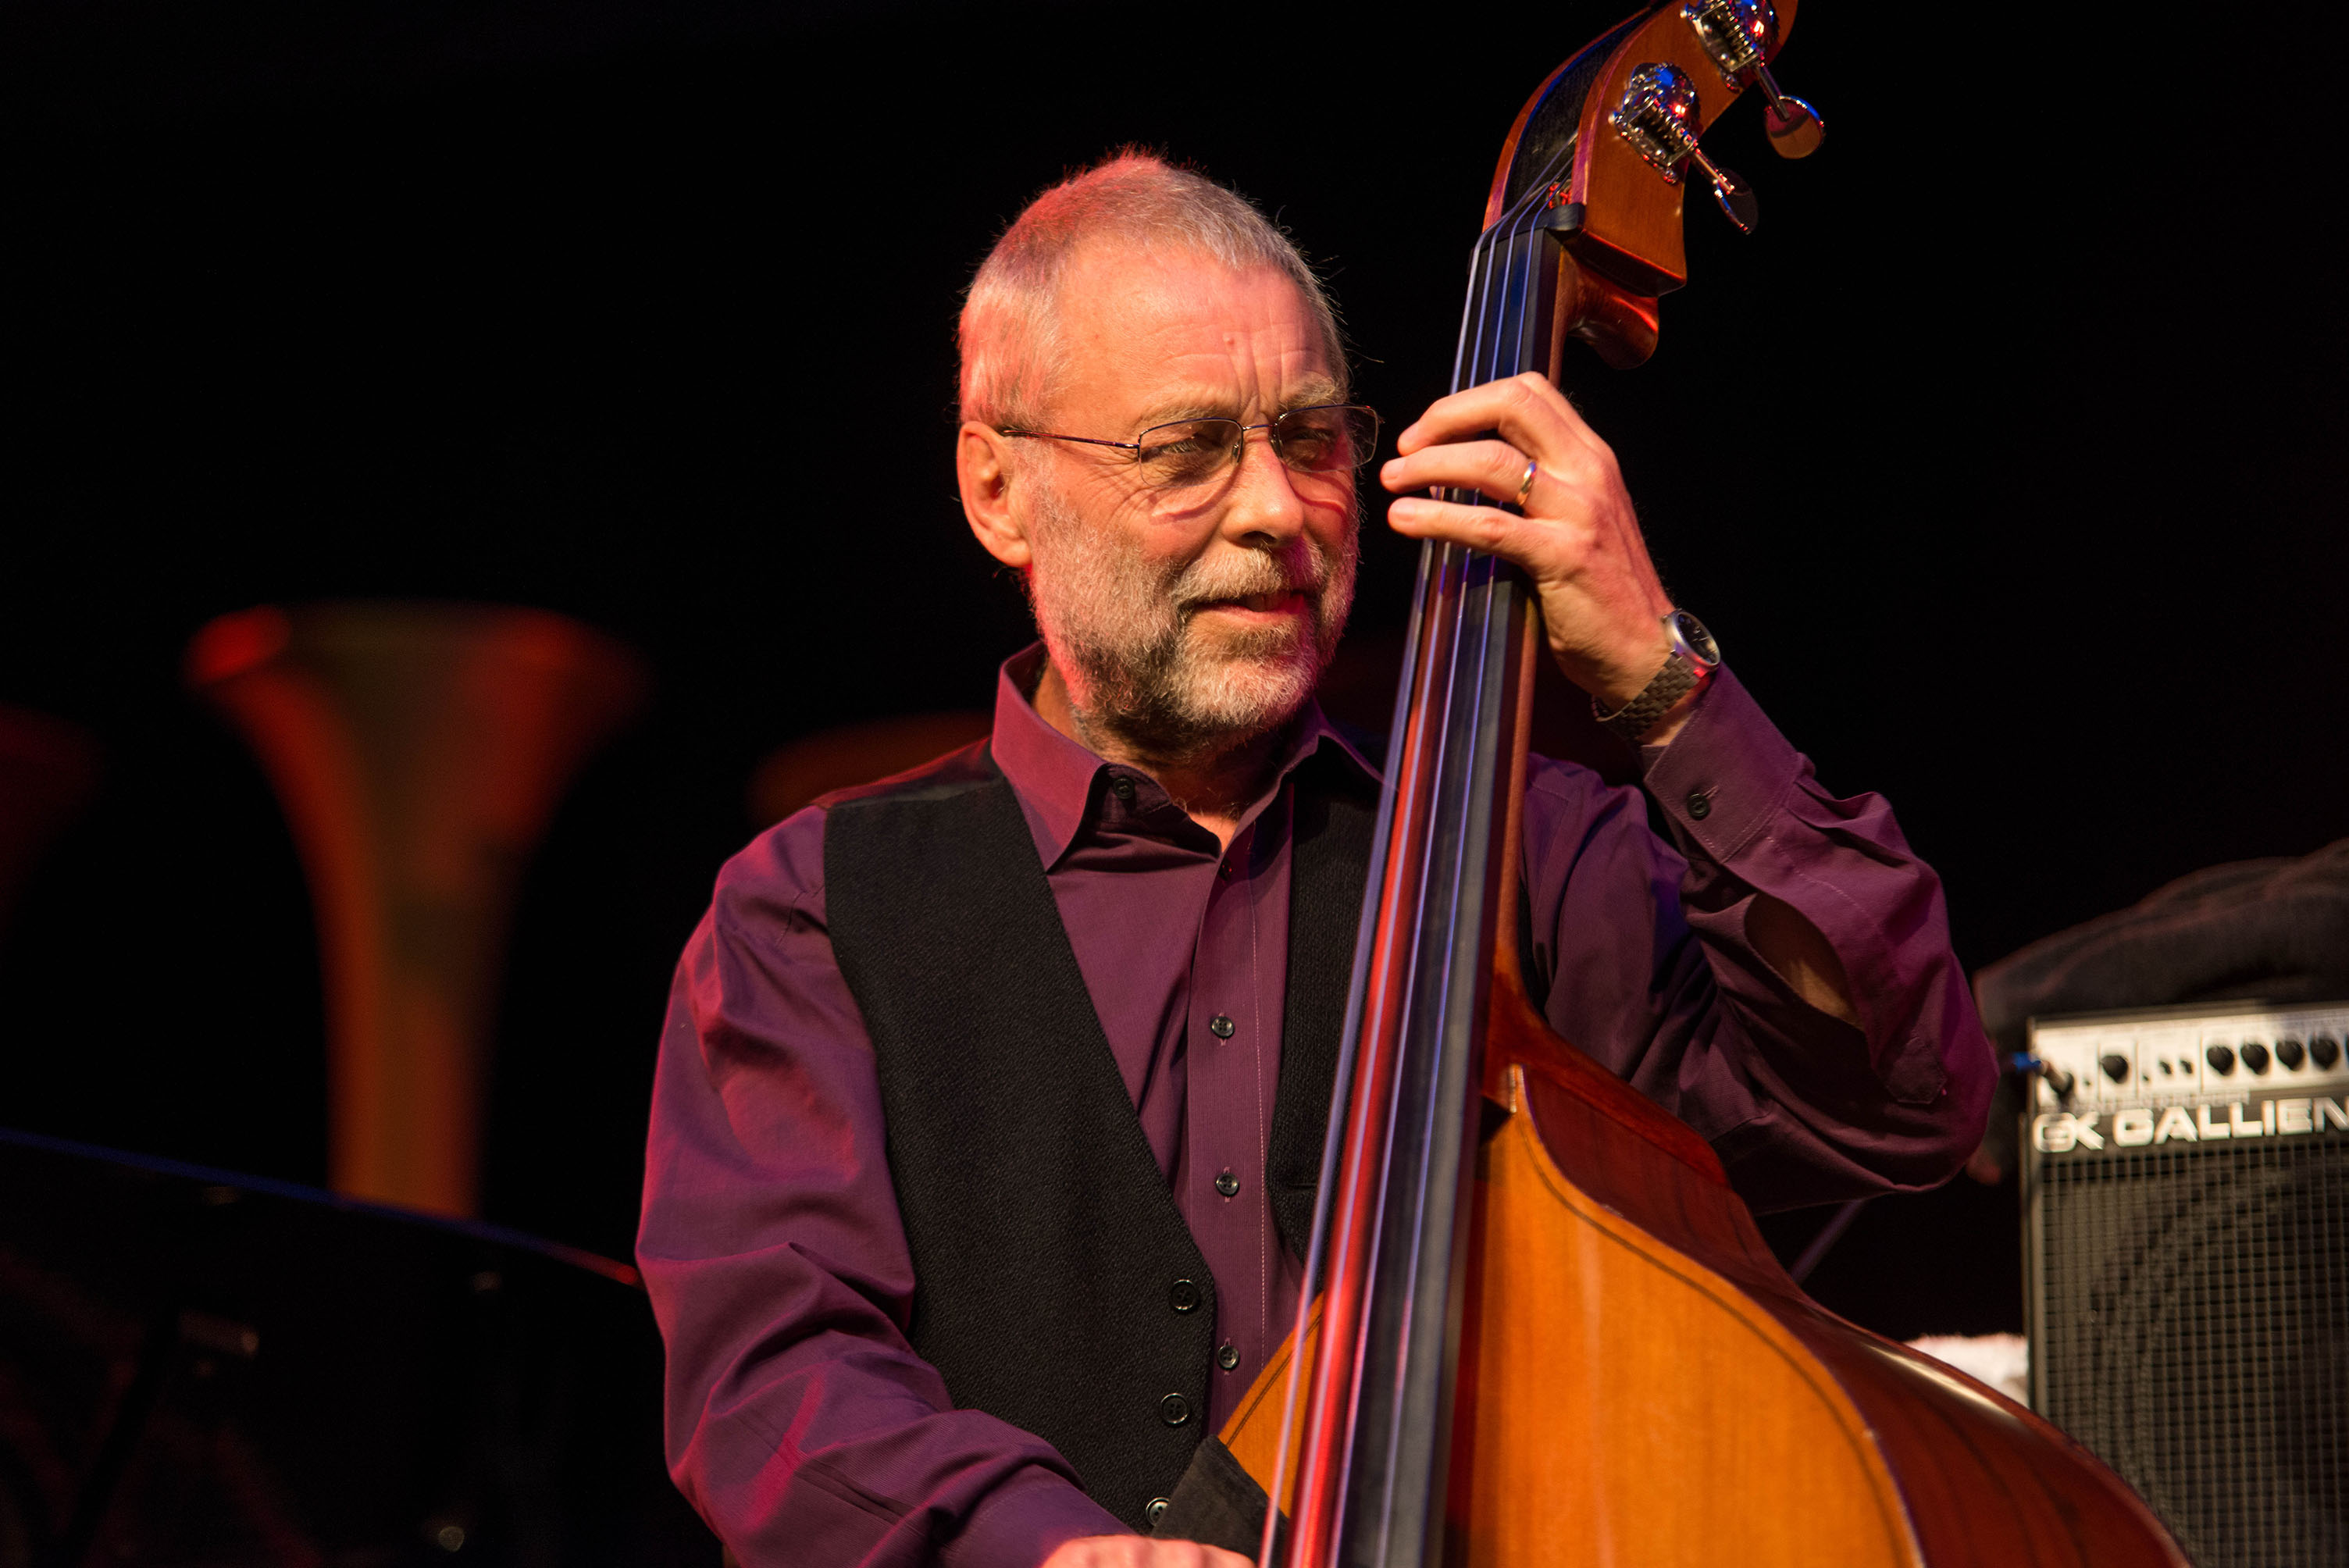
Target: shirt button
x,y
1173,1410
1700,804
1220,1027
1228,1184
1123,788
1224,871
1227,1356
1155,1508
1184,1296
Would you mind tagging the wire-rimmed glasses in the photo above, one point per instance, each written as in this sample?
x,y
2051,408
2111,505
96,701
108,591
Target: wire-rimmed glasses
x,y
1186,454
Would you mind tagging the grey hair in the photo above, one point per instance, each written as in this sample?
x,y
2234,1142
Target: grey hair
x,y
1010,327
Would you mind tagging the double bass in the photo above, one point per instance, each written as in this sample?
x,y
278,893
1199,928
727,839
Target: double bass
x,y
1540,1327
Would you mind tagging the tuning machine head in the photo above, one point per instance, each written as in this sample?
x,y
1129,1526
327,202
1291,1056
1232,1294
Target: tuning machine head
x,y
1658,116
1737,36
1794,127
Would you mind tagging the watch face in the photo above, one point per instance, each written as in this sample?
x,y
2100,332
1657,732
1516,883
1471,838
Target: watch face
x,y
1700,641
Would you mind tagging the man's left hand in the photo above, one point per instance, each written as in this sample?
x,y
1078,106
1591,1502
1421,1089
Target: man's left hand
x,y
1577,538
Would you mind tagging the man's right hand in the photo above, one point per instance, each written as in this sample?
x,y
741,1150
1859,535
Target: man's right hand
x,y
1140,1552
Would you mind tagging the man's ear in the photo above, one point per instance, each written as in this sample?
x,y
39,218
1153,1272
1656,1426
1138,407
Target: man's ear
x,y
983,469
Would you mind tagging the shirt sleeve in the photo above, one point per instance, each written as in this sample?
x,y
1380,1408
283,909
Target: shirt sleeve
x,y
799,1421
1640,941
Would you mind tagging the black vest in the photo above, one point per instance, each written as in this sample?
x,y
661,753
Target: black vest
x,y
1056,1286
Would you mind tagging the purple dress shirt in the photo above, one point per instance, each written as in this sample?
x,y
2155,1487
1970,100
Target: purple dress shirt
x,y
800,1422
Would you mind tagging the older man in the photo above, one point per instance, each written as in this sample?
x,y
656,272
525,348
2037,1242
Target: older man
x,y
973,1198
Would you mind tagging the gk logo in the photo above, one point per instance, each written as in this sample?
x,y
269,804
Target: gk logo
x,y
2059,1132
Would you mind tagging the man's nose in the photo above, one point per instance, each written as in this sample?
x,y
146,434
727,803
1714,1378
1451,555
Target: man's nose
x,y
1265,509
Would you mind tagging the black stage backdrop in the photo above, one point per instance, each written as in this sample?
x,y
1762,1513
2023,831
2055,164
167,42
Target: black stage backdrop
x,y
2006,459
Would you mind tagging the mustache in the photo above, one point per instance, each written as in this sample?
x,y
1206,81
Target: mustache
x,y
1202,584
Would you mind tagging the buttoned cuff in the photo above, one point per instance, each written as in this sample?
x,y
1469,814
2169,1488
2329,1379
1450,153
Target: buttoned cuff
x,y
1725,774
1024,1521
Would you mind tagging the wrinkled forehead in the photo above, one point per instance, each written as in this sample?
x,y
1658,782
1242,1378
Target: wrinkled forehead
x,y
1170,331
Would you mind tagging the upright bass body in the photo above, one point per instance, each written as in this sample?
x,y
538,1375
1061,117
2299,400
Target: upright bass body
x,y
1544,1330
1639,1383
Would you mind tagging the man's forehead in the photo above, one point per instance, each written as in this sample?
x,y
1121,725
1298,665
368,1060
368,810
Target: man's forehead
x,y
1183,333
1173,399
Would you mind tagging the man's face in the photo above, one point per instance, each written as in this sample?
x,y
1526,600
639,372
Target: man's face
x,y
1188,619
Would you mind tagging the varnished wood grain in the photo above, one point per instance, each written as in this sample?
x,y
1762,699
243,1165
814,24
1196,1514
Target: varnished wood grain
x,y
1627,1399
1982,1480
1632,213
1592,1442
1578,1445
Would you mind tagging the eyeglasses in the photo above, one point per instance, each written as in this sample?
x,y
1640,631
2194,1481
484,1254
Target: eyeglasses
x,y
1325,439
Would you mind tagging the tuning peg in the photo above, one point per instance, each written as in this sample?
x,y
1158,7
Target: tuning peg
x,y
1659,105
1794,127
1737,33
1732,195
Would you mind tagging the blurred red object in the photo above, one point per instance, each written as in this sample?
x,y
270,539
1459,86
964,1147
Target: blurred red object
x,y
798,771
419,750
48,769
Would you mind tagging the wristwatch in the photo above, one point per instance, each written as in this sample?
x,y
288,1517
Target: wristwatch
x,y
1694,656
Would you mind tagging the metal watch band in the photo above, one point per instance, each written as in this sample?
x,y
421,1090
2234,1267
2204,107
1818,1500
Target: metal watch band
x,y
1665,688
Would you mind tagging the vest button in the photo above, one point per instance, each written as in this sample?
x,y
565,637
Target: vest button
x,y
1229,1356
1220,1027
1155,1508
1173,1410
1226,1184
1184,1296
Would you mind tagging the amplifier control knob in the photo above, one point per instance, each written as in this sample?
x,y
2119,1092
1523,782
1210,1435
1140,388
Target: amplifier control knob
x,y
2255,1055
2324,1050
2220,1059
2116,1066
2290,1052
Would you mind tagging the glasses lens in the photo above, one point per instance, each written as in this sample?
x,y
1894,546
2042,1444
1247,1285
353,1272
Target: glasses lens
x,y
1326,440
1188,452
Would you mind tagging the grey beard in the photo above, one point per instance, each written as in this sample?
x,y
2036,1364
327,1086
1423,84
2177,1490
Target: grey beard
x,y
1119,629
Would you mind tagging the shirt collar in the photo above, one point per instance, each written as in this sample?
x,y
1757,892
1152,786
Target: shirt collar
x,y
1057,777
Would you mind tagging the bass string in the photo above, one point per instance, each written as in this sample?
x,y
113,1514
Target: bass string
x,y
1436,628
1344,1176
1503,299
1440,644
1479,357
1444,642
1464,640
1436,1198
1468,352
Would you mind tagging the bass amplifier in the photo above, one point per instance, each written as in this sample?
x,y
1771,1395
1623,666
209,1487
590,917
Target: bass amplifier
x,y
2186,1191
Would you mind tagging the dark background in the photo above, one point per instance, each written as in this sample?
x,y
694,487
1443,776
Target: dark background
x,y
2006,461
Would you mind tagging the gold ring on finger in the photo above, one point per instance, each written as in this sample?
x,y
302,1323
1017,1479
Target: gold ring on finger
x,y
1525,486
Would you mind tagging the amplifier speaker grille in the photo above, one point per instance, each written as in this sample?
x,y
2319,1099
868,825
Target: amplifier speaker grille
x,y
2192,1316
